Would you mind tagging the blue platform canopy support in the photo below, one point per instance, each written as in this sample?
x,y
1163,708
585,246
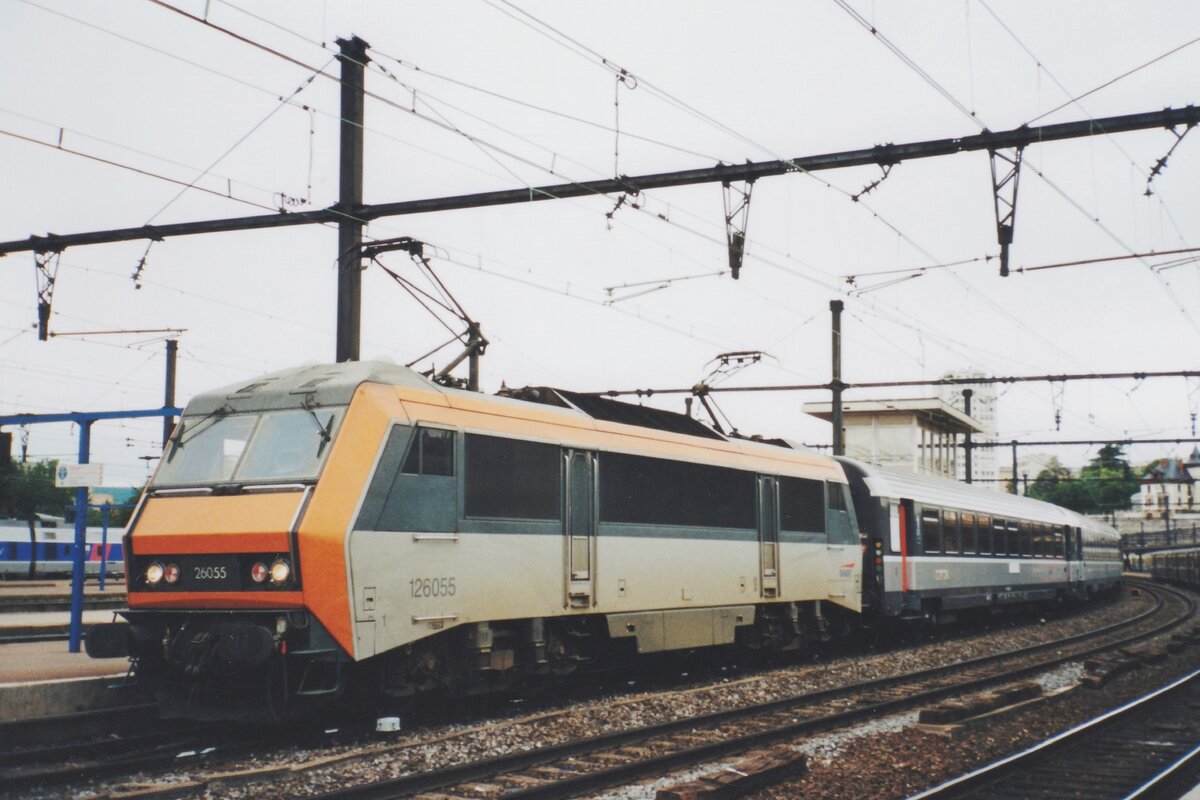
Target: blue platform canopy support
x,y
84,420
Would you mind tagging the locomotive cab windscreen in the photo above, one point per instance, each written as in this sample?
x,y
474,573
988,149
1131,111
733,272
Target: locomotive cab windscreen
x,y
270,447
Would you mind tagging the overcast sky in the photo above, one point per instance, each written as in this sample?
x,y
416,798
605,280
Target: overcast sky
x,y
535,86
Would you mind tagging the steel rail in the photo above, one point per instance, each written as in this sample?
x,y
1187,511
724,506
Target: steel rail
x,y
593,781
986,777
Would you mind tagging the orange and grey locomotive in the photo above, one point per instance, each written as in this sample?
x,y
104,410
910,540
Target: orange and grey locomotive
x,y
357,529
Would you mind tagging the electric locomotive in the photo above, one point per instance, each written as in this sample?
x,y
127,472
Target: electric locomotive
x,y
359,529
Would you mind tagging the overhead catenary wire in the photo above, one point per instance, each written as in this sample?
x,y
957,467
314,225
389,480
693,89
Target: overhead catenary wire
x,y
1073,100
844,4
900,233
608,64
283,101
138,170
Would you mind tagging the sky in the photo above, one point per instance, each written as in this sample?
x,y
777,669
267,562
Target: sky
x,y
110,111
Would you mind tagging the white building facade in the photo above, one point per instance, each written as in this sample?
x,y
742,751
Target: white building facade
x,y
984,460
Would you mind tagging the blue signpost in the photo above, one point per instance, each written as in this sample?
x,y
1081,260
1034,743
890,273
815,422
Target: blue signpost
x,y
84,420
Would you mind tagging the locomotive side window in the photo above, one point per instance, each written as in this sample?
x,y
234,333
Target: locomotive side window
x,y
950,531
657,491
839,523
403,496
931,530
512,479
431,453
801,505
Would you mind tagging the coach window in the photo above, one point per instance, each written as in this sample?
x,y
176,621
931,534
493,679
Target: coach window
x,y
931,530
512,479
1000,537
1059,545
950,531
983,535
969,539
802,506
1014,538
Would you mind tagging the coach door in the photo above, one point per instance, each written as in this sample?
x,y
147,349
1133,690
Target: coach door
x,y
768,534
580,527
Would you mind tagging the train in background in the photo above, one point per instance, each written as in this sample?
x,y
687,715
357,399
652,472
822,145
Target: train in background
x,y
1181,567
51,552
358,531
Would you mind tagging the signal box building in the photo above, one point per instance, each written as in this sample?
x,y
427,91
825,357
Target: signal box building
x,y
919,435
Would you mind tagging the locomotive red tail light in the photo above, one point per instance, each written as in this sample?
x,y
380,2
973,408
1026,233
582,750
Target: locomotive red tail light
x,y
171,573
259,572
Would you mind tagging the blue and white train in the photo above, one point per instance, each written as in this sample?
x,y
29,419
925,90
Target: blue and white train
x,y
51,553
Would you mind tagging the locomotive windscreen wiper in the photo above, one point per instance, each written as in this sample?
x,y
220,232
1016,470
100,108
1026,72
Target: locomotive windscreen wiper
x,y
326,430
177,441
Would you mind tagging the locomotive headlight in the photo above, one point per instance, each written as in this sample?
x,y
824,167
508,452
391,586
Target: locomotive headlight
x,y
171,573
280,572
154,573
259,572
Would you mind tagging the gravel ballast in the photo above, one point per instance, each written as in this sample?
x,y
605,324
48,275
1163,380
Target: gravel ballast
x,y
886,758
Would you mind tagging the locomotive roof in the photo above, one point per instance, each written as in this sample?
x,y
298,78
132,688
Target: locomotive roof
x,y
334,384
947,493
327,384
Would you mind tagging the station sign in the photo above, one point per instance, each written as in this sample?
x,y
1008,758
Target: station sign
x,y
76,475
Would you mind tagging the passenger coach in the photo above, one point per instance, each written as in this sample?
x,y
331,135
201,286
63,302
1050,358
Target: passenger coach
x,y
936,547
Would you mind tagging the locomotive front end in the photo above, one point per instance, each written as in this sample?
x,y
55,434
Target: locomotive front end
x,y
217,619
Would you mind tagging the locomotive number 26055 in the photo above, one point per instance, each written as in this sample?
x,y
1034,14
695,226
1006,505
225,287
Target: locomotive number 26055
x,y
432,587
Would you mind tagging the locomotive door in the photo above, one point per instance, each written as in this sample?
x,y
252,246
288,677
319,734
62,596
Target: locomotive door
x,y
580,527
768,534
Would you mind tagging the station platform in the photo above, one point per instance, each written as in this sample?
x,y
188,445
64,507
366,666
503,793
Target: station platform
x,y
42,678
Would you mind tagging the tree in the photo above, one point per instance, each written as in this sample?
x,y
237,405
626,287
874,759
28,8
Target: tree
x,y
1104,485
29,489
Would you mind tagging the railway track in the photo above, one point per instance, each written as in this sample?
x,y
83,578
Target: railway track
x,y
1148,749
590,765
582,766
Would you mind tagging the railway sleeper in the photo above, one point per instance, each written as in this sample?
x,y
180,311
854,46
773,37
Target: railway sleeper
x,y
976,705
748,774
1100,672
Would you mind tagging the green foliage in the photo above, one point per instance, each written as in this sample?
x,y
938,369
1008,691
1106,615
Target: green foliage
x,y
1104,485
26,489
